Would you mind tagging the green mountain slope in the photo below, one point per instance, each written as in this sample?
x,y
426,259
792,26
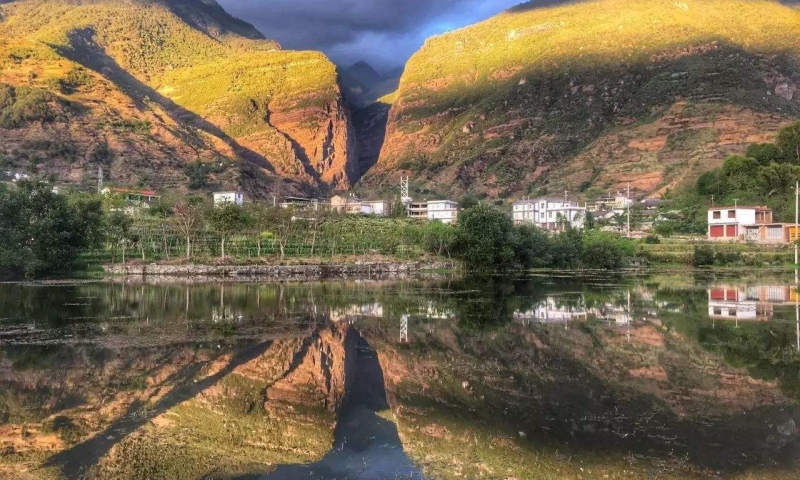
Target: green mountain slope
x,y
588,96
145,87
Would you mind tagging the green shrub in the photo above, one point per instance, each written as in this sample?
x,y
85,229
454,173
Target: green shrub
x,y
703,256
76,78
652,240
606,250
22,105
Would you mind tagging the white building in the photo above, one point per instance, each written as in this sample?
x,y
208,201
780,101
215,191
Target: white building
x,y
223,198
730,223
549,213
446,211
354,205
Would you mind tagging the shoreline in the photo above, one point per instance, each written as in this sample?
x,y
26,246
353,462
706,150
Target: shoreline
x,y
280,273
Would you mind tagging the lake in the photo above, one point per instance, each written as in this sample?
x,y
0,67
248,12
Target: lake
x,y
552,375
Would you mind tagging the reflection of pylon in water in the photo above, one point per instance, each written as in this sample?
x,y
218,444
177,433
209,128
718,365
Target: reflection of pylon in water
x,y
404,328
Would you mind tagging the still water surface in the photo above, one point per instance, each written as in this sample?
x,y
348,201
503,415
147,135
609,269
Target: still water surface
x,y
661,375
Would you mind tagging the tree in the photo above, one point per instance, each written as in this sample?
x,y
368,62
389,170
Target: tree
x,y
118,230
588,221
439,237
566,249
41,232
606,250
468,201
532,247
317,219
226,220
259,217
283,224
189,213
789,142
485,239
703,256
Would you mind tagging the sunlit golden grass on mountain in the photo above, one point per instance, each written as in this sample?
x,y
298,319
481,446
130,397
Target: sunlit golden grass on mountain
x,y
208,85
503,107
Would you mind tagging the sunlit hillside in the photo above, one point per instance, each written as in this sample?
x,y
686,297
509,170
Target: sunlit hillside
x,y
590,95
185,81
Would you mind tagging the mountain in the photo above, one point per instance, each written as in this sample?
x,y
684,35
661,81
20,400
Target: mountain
x,y
143,88
590,95
365,74
365,86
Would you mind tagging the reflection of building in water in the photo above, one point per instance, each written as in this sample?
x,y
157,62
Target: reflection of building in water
x,y
613,313
225,314
353,312
552,311
749,303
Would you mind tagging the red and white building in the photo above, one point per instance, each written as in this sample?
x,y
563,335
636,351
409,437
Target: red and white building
x,y
744,223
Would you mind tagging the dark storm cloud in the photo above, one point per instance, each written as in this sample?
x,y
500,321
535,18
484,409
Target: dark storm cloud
x,y
383,32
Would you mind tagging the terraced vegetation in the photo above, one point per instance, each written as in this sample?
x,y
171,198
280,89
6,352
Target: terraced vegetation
x,y
204,85
592,95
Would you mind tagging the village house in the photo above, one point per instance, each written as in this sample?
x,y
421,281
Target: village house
x,y
225,198
135,201
549,213
445,211
354,205
297,202
744,223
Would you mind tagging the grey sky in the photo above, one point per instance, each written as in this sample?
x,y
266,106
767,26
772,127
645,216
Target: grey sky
x,y
383,32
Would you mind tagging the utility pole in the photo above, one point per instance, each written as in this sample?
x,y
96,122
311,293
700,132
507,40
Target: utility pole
x,y
712,200
99,179
628,202
796,218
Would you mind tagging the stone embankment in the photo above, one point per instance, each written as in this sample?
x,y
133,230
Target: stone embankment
x,y
380,270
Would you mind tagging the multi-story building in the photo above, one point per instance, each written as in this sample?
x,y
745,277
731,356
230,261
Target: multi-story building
x,y
446,211
743,223
549,213
417,210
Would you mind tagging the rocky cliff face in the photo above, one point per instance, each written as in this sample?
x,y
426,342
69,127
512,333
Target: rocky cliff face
x,y
142,89
588,96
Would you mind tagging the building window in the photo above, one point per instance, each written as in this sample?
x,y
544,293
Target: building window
x,y
717,215
731,213
717,311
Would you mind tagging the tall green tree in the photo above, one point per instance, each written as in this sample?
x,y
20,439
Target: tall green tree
x,y
188,215
42,233
118,230
789,142
439,238
284,224
485,239
227,220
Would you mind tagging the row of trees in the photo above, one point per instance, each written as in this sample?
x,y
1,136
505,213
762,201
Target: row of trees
x,y
486,239
43,233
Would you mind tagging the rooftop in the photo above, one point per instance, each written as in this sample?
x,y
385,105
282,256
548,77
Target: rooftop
x,y
740,207
131,191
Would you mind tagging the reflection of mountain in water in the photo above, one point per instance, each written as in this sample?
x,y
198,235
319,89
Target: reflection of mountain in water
x,y
367,446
